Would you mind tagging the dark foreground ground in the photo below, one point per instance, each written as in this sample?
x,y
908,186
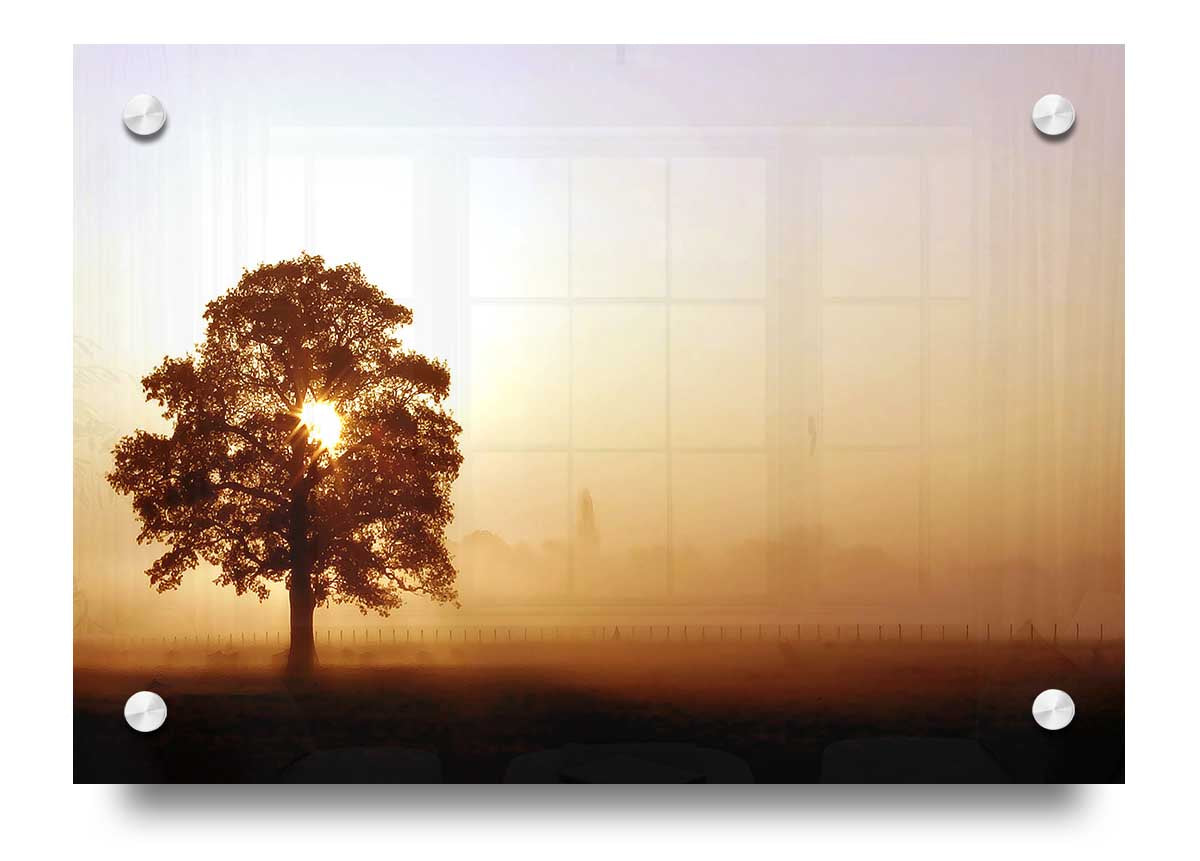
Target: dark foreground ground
x,y
610,711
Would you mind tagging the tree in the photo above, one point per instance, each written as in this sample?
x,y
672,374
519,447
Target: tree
x,y
308,448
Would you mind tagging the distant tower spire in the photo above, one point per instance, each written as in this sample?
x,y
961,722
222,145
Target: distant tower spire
x,y
586,527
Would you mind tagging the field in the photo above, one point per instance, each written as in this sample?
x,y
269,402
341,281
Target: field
x,y
775,707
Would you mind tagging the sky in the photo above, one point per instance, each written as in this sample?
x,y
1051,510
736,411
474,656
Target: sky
x,y
818,328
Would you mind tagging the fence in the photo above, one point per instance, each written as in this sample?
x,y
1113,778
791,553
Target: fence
x,y
434,635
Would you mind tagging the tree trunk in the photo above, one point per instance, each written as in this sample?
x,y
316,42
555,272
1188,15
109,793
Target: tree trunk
x,y
302,652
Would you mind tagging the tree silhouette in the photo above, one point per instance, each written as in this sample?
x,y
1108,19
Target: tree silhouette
x,y
258,478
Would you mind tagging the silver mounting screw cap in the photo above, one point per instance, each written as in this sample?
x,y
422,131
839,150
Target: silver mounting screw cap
x,y
1053,115
145,711
144,115
1053,709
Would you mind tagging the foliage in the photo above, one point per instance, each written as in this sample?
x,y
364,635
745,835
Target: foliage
x,y
239,484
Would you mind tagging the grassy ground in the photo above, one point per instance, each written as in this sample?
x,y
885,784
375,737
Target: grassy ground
x,y
776,705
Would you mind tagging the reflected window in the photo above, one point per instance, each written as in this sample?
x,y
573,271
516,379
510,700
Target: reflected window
x,y
871,226
618,227
619,385
718,227
895,234
518,227
718,376
520,385
619,523
618,317
871,374
719,523
522,496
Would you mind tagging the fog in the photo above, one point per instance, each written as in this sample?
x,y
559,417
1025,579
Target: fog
x,y
782,368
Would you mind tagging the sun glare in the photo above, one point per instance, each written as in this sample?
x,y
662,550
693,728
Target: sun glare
x,y
323,423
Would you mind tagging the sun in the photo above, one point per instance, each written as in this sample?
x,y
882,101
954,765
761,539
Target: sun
x,y
323,423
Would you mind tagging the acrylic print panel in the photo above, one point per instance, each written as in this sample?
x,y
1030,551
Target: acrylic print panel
x,y
594,414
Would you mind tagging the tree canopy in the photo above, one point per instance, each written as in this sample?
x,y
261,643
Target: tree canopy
x,y
250,482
